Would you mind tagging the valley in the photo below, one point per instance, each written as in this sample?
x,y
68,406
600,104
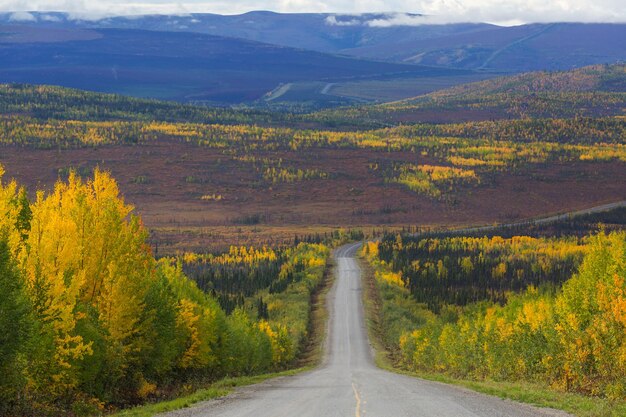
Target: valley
x,y
361,210
167,181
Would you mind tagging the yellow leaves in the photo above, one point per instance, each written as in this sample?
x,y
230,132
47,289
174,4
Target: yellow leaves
x,y
416,265
393,278
416,181
443,173
428,179
212,197
281,343
403,341
120,304
190,257
241,254
188,320
92,136
370,250
275,305
612,299
265,327
62,299
602,152
55,282
576,340
448,341
542,251
311,255
469,162
146,389
83,250
107,316
590,324
281,349
534,313
499,271
288,309
9,212
571,320
414,347
198,326
315,262
489,320
71,348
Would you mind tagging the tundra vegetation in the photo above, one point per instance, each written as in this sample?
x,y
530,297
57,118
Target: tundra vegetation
x,y
463,153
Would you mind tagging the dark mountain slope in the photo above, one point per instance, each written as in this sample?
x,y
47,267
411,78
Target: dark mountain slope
x,y
176,65
315,31
522,48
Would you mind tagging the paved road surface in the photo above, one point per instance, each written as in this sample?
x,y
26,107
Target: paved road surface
x,y
348,383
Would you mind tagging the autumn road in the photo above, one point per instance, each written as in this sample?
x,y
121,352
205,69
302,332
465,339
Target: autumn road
x,y
348,383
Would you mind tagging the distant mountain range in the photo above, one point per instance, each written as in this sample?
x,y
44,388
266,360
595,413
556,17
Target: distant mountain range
x,y
241,58
378,36
176,65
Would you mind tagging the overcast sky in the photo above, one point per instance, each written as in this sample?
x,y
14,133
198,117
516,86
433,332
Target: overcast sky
x,y
497,11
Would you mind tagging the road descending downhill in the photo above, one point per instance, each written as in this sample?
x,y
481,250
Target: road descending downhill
x,y
348,383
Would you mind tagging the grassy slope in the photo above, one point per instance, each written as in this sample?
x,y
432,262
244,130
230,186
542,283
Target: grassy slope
x,y
535,394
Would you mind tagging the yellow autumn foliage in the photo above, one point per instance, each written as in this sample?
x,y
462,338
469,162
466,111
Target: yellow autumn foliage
x,y
111,324
574,340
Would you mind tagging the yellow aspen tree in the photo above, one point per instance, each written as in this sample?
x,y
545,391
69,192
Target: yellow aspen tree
x,y
9,212
120,268
54,283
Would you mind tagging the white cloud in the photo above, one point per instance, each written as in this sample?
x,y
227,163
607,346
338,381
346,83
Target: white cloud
x,y
332,21
526,11
22,17
438,11
392,19
407,19
49,18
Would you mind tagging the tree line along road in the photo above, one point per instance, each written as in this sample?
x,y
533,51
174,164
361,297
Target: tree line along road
x,y
348,383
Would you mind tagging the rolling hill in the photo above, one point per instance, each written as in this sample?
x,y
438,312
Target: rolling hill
x,y
290,61
314,31
554,46
530,47
593,91
179,66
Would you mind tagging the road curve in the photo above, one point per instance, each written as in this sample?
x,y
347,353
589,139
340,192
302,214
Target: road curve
x,y
348,383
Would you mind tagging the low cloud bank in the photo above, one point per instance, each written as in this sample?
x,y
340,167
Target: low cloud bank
x,y
349,12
